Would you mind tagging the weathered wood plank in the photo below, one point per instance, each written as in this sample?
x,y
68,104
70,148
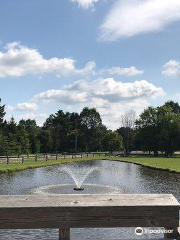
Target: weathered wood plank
x,y
71,200
64,234
83,211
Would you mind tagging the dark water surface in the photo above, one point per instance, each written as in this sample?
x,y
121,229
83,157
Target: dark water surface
x,y
109,177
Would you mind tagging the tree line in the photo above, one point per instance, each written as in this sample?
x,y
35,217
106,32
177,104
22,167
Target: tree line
x,y
157,129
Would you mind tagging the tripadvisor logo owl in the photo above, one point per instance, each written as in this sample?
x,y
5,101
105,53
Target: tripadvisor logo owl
x,y
139,231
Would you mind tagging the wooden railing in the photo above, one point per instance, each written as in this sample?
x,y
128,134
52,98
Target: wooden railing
x,y
89,211
48,157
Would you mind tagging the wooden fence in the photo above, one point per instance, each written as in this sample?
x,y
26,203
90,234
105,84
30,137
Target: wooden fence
x,y
90,211
49,157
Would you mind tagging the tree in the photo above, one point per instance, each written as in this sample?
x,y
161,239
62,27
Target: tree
x,y
112,142
45,139
59,126
32,130
159,130
148,130
127,130
92,128
2,137
2,113
174,106
169,124
23,141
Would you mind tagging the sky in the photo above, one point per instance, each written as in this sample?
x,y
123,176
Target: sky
x,y
114,55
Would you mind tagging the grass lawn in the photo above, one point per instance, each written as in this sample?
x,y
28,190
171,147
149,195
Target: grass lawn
x,y
161,163
29,164
169,164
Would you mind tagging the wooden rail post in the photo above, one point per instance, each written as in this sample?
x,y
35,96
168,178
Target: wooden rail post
x,y
56,156
7,159
36,158
22,159
46,158
174,234
64,234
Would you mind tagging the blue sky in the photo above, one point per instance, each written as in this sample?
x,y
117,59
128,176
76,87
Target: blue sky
x,y
114,55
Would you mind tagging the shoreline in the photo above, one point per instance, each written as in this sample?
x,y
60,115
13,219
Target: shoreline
x,y
147,166
16,167
160,164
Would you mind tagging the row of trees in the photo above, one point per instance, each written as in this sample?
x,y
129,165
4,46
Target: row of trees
x,y
156,129
61,132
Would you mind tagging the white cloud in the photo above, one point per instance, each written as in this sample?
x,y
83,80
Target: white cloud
x,y
171,68
110,97
104,89
131,71
131,17
20,60
85,3
9,108
26,106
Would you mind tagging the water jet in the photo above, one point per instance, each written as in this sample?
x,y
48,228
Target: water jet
x,y
78,174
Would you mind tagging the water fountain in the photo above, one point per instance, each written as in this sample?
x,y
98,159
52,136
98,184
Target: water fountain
x,y
78,174
72,177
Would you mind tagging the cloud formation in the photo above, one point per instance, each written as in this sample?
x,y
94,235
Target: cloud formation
x,y
102,89
111,98
171,68
19,60
131,17
131,71
23,107
85,3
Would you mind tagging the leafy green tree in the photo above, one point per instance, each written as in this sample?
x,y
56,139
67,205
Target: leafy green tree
x,y
92,128
45,139
23,141
112,141
2,137
159,130
32,130
59,126
174,106
169,124
2,113
148,130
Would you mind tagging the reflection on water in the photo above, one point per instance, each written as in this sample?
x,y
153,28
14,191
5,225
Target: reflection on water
x,y
120,177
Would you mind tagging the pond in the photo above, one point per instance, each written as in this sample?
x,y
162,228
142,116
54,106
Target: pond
x,y
107,177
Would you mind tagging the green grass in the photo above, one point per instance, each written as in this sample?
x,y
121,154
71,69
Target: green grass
x,y
161,163
29,164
